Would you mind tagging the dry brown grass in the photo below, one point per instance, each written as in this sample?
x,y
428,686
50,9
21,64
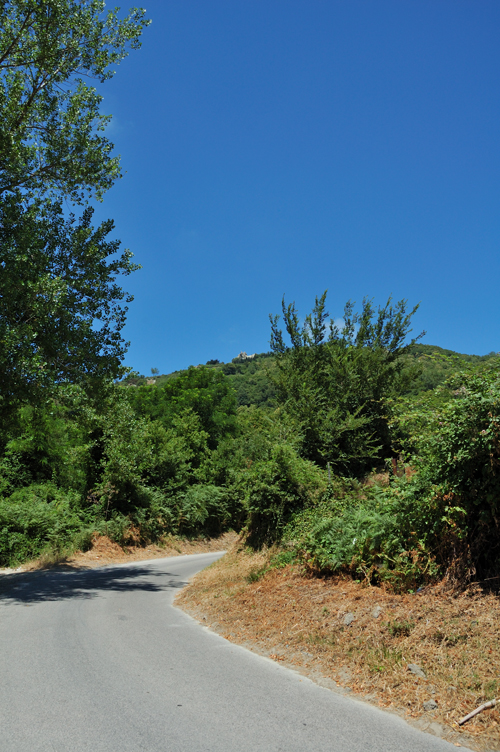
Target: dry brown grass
x,y
300,621
105,551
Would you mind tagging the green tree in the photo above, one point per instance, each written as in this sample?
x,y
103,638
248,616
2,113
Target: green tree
x,y
61,309
335,382
52,136
206,392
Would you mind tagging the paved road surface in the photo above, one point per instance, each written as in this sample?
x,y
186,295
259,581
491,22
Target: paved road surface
x,y
101,661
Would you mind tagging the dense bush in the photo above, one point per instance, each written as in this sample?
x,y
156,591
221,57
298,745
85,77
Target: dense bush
x,y
378,533
457,451
181,458
441,517
276,488
203,390
37,519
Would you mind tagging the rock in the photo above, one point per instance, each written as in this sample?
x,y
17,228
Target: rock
x,y
430,705
348,619
416,670
377,611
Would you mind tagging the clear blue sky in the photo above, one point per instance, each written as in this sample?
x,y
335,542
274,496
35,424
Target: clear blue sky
x,y
288,146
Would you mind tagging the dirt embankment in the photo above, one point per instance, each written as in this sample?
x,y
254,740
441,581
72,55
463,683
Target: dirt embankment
x,y
105,551
431,657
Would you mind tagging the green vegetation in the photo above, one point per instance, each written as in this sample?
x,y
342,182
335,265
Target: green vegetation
x,y
335,385
435,511
357,449
56,281
395,483
52,139
251,378
61,310
436,365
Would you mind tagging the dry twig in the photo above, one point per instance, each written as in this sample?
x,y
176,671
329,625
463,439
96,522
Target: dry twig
x,y
484,706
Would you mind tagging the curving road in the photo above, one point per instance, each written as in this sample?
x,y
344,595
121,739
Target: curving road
x,y
101,661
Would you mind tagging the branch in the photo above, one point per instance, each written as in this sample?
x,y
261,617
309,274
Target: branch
x,y
26,106
44,170
16,40
484,706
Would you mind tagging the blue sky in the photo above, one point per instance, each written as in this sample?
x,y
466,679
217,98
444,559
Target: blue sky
x,y
285,147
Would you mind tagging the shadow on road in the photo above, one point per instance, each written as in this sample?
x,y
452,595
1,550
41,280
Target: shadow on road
x,y
34,587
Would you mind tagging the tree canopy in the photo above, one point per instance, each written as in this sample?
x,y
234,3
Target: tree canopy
x,y
61,307
52,136
206,392
334,381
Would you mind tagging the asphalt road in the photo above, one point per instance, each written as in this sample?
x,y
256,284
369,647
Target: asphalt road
x,y
100,660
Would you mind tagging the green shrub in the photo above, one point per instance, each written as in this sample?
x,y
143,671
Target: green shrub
x,y
38,519
378,533
401,628
277,488
443,518
203,509
452,439
458,453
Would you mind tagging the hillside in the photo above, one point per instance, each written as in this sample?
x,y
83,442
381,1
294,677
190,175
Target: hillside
x,y
438,364
250,376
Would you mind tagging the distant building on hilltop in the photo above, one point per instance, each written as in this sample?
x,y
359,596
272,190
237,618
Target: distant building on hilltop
x,y
244,356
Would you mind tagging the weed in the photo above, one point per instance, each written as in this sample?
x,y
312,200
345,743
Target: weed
x,y
283,559
321,640
400,628
449,640
382,659
491,688
255,574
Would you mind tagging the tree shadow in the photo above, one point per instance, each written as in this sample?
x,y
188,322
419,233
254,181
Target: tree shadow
x,y
35,587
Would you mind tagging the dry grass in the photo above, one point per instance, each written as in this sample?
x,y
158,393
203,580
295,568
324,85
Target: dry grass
x,y
105,551
301,621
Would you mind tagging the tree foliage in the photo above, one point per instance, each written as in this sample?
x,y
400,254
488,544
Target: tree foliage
x,y
61,307
335,382
454,442
52,135
206,392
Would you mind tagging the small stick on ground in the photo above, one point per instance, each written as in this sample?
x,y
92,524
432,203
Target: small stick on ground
x,y
484,706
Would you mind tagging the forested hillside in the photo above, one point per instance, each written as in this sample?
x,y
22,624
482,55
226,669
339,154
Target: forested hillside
x,y
252,378
353,462
249,377
360,448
